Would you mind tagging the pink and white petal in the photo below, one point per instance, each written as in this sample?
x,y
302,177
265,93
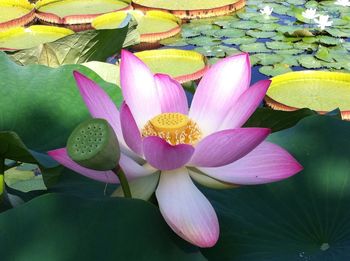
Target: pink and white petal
x,y
171,94
219,90
132,169
139,88
99,104
141,188
131,132
186,210
224,147
246,105
209,182
61,156
161,155
267,163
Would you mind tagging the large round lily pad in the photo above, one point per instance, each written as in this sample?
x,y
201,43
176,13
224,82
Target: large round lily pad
x,y
182,65
317,90
76,11
23,38
188,9
152,26
15,13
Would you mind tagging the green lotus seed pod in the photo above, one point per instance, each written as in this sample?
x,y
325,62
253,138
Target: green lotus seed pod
x,y
94,145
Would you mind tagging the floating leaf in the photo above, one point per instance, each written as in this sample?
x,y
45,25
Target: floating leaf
x,y
260,34
274,70
276,45
245,24
323,54
309,61
203,41
240,40
254,48
267,59
230,32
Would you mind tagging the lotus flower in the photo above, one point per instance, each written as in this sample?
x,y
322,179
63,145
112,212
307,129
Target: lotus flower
x,y
323,21
342,2
205,143
267,10
310,13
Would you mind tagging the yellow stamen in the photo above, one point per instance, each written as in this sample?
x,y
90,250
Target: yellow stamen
x,y
175,128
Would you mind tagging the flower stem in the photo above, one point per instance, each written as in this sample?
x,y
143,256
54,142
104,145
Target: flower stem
x,y
123,182
2,180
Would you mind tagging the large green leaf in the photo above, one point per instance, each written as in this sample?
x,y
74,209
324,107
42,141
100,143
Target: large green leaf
x,y
41,104
62,227
92,45
306,217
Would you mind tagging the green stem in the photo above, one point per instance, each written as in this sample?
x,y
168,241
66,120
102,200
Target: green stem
x,y
2,173
123,182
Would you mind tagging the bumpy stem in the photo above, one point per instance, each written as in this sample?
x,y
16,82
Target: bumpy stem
x,y
2,173
123,182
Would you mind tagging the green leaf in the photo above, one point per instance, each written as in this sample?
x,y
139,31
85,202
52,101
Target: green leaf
x,y
276,45
240,40
48,104
267,59
229,32
93,45
203,41
62,227
260,34
305,217
277,120
323,54
275,70
254,48
309,61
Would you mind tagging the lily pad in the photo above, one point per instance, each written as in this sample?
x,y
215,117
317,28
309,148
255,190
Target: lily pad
x,y
245,24
46,126
182,65
254,48
276,45
276,69
229,32
309,62
317,90
267,59
323,54
302,218
76,11
93,45
152,26
211,51
24,38
203,41
240,40
190,8
260,34
68,224
16,13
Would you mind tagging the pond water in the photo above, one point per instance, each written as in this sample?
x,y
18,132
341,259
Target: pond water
x,y
278,43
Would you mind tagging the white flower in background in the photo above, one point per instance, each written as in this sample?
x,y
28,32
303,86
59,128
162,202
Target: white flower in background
x,y
323,21
342,2
310,13
266,10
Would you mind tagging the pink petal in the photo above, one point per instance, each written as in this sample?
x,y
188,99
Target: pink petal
x,y
224,147
266,163
163,156
98,102
246,105
219,90
132,169
186,209
139,89
131,132
61,156
171,94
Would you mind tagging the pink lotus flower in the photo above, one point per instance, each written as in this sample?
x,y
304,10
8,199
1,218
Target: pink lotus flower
x,y
159,134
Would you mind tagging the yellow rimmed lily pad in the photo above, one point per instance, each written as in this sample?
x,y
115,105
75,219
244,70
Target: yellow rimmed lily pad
x,y
189,9
153,26
71,12
182,65
15,13
317,90
18,38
